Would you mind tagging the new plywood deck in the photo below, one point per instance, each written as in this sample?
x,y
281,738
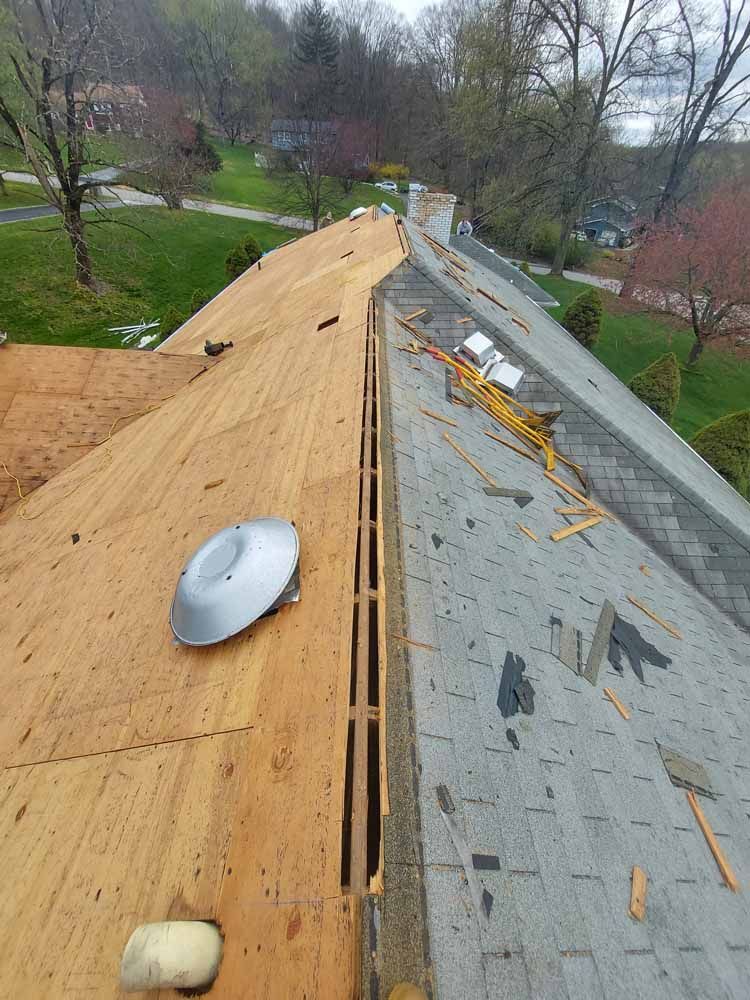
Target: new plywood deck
x,y
141,779
57,403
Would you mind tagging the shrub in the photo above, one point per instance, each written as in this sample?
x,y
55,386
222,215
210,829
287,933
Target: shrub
x,y
390,171
583,317
725,444
243,256
172,320
525,269
658,386
199,299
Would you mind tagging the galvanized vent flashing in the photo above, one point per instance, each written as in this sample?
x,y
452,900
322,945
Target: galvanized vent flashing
x,y
236,577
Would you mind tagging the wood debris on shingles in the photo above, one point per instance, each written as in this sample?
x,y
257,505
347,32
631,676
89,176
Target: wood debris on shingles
x,y
249,820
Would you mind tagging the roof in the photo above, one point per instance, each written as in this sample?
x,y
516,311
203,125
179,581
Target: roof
x,y
146,781
249,782
57,403
484,255
556,824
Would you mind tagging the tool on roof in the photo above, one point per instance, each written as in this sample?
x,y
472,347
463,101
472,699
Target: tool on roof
x,y
727,874
212,350
240,574
638,888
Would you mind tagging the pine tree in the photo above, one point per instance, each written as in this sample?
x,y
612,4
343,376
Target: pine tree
x,y
316,43
659,386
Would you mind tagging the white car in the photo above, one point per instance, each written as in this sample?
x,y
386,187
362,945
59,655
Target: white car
x,y
418,187
388,186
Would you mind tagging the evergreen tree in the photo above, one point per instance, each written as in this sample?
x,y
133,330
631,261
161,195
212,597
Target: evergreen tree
x,y
316,43
316,50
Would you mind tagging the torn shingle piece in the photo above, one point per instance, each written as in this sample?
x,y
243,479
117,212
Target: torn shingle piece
x,y
686,773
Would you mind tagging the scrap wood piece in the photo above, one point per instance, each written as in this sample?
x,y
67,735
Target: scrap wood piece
x,y
527,531
571,491
407,348
467,458
213,484
414,642
573,510
638,887
654,617
572,529
513,447
491,297
644,569
609,693
727,874
414,315
519,322
465,319
437,416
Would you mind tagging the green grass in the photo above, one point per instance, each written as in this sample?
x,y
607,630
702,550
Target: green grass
x,y
146,272
240,182
719,383
21,196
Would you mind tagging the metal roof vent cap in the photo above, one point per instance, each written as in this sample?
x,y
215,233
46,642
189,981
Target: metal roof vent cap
x,y
236,576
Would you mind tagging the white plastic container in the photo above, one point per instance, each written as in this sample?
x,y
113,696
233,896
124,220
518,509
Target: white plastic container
x,y
479,348
505,376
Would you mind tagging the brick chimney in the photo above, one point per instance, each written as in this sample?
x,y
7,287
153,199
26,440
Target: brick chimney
x,y
433,213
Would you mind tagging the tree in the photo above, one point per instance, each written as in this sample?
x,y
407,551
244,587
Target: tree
x,y
59,51
172,320
590,65
230,54
244,255
316,48
712,89
725,445
696,265
172,157
583,317
304,171
658,386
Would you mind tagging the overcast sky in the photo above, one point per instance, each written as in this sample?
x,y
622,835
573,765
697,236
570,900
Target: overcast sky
x,y
408,7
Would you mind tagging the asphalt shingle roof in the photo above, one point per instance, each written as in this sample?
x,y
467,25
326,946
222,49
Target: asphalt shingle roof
x,y
494,262
586,795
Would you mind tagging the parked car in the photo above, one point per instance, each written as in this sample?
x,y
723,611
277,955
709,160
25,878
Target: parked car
x,y
418,187
579,236
387,186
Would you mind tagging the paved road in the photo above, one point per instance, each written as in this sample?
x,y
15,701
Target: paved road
x,y
611,284
118,195
41,211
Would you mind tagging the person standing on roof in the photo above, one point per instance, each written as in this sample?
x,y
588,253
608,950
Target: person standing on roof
x,y
465,228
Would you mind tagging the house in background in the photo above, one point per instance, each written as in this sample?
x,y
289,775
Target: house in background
x,y
609,221
293,134
114,108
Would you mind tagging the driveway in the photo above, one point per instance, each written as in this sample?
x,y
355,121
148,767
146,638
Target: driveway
x,y
119,195
41,211
611,284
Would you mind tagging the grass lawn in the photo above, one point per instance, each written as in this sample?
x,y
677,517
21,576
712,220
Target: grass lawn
x,y
240,182
147,271
20,196
719,384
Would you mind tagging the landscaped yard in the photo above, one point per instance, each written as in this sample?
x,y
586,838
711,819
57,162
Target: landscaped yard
x,y
148,269
20,196
240,182
719,383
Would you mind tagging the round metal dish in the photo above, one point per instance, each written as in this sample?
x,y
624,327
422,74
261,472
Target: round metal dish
x,y
236,576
